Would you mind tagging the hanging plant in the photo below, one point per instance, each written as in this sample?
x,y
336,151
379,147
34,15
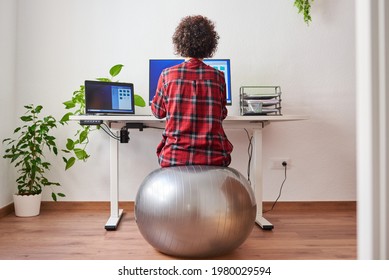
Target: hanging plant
x,y
304,7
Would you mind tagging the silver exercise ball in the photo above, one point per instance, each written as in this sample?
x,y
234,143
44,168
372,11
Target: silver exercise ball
x,y
195,211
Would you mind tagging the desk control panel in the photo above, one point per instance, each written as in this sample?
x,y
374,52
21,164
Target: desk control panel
x,y
91,122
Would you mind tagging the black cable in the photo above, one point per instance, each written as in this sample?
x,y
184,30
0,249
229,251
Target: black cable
x,y
109,132
279,194
250,153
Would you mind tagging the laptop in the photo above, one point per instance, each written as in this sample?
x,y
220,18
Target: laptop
x,y
109,98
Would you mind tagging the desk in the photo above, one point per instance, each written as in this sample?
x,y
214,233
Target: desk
x,y
253,124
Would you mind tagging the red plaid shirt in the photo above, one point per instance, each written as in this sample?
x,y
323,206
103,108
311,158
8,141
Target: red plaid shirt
x,y
192,97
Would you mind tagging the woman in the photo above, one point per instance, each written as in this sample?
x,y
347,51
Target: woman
x,y
192,97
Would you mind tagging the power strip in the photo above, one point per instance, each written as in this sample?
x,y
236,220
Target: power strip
x,y
91,122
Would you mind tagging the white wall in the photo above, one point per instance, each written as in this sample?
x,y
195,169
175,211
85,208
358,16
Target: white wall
x,y
62,43
7,93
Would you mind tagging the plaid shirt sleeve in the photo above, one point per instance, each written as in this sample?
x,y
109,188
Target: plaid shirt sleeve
x,y
192,97
158,106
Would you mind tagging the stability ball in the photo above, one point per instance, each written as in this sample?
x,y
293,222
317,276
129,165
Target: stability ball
x,y
195,211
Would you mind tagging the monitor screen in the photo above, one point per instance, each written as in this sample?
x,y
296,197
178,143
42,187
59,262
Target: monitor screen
x,y
109,98
157,65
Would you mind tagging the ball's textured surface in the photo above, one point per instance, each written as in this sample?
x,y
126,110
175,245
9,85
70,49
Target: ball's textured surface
x,y
195,211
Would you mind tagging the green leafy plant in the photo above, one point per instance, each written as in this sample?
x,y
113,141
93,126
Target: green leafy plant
x,y
76,146
304,7
27,151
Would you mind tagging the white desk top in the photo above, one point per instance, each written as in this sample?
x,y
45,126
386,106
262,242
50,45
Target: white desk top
x,y
229,122
141,118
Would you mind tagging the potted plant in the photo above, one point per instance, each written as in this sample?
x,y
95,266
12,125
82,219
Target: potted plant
x,y
76,146
27,151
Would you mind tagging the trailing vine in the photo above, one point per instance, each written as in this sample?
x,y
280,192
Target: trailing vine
x,y
304,7
76,146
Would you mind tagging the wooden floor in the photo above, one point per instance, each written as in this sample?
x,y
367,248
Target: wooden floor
x,y
75,231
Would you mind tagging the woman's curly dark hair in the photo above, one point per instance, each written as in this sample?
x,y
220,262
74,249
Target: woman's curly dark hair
x,y
196,37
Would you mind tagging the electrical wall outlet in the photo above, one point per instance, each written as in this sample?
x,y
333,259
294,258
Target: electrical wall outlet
x,y
276,163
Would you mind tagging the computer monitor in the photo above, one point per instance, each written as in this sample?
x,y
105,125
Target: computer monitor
x,y
157,65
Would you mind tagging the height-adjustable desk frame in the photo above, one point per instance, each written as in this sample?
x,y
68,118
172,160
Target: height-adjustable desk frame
x,y
253,124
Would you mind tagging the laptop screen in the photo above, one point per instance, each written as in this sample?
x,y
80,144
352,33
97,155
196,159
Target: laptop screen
x,y
105,98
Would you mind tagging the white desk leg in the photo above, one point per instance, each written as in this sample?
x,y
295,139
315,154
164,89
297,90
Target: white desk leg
x,y
116,213
257,178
